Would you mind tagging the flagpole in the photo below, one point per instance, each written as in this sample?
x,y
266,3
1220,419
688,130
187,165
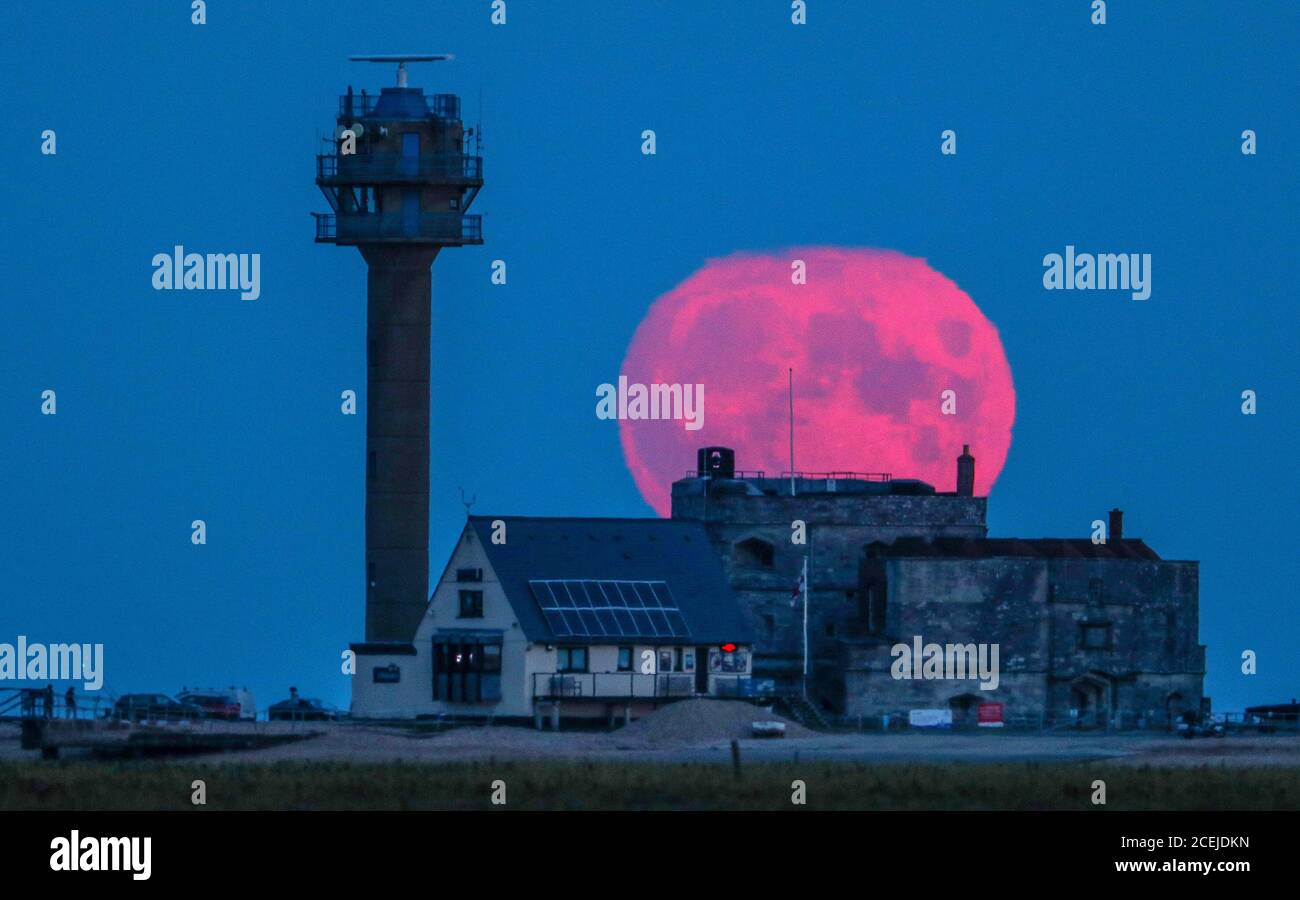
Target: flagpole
x,y
805,628
791,432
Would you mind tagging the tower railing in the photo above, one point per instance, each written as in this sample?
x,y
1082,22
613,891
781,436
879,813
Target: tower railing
x,y
452,228
444,106
449,168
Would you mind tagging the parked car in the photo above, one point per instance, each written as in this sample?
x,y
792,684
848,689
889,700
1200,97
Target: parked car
x,y
154,707
231,703
1204,727
302,709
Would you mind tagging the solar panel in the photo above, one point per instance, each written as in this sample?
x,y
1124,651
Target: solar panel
x,y
609,609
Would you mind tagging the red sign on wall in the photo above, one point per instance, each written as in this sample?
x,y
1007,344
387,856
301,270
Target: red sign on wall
x,y
989,714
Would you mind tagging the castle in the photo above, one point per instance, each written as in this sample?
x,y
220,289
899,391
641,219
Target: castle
x,y
1092,633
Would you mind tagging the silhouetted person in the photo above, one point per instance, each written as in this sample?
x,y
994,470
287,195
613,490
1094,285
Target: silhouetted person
x,y
70,702
49,701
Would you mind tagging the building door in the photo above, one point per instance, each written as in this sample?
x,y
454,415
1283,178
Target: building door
x,y
410,213
965,710
410,153
701,670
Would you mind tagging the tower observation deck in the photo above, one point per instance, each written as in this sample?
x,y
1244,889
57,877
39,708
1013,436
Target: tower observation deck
x,y
398,182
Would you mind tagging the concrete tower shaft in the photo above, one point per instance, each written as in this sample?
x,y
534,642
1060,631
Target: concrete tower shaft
x,y
398,330
398,182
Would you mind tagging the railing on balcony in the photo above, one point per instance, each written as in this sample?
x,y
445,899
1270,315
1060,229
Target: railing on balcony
x,y
839,476
452,228
738,473
444,106
448,168
630,685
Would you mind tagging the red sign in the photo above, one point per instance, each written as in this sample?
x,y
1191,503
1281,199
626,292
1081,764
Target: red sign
x,y
989,714
728,648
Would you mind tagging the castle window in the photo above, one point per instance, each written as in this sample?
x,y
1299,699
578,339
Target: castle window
x,y
1094,636
469,574
871,602
755,553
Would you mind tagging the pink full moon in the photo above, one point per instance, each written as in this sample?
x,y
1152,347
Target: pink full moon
x,y
876,339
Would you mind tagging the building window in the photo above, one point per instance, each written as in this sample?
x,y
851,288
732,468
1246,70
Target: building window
x,y
755,554
736,661
625,659
571,659
469,574
665,660
1094,636
471,604
466,672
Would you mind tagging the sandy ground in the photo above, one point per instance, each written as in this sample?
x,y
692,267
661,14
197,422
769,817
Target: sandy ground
x,y
348,742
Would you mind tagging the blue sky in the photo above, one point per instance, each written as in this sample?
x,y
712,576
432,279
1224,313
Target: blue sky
x,y
174,406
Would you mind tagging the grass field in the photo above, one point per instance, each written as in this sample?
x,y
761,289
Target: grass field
x,y
650,786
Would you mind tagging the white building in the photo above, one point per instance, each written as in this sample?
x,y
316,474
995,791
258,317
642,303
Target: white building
x,y
542,617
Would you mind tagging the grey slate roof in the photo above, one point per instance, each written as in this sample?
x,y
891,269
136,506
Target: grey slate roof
x,y
615,549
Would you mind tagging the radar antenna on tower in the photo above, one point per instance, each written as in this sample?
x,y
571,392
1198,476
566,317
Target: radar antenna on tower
x,y
402,60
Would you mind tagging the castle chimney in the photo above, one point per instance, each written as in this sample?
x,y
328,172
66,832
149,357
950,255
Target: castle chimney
x,y
1116,530
715,462
965,473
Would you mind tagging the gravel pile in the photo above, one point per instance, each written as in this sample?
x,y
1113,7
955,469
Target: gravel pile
x,y
696,721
